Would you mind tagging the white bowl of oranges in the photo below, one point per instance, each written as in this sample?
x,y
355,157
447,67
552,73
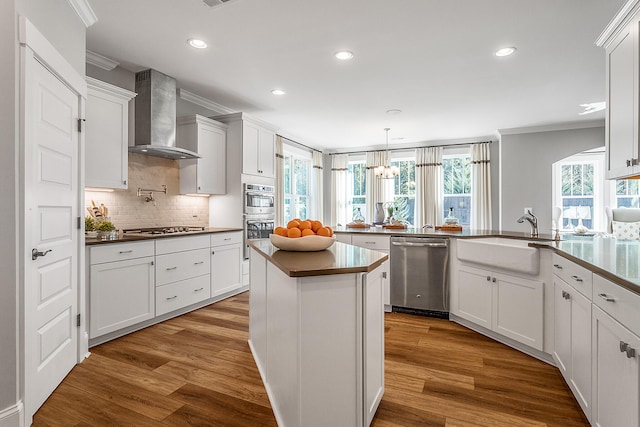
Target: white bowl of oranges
x,y
302,235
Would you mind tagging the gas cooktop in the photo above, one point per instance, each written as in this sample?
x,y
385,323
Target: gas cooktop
x,y
163,230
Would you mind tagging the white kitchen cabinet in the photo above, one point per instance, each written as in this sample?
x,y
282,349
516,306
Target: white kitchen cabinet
x,y
107,135
226,262
509,305
616,373
623,83
343,238
208,138
257,141
572,340
377,243
122,291
182,272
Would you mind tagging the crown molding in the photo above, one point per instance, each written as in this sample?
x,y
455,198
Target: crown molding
x,y
555,127
203,102
620,21
84,12
101,61
108,88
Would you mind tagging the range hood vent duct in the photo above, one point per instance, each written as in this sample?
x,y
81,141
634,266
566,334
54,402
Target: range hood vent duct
x,y
155,127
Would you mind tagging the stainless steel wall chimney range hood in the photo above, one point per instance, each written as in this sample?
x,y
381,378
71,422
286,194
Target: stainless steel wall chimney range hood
x,y
155,126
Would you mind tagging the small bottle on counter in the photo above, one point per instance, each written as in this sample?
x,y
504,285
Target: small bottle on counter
x,y
357,216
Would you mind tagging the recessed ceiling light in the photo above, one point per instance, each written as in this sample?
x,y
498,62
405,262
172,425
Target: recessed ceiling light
x,y
278,92
344,54
197,43
505,51
394,111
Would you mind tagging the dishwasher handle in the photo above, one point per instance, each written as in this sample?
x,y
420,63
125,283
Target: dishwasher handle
x,y
423,245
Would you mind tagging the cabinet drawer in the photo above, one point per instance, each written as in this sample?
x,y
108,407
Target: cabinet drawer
x,y
169,245
575,275
181,294
370,241
218,239
622,304
182,265
120,251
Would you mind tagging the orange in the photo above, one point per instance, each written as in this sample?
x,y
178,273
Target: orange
x,y
295,232
316,225
284,232
278,230
305,225
293,223
330,230
324,231
308,232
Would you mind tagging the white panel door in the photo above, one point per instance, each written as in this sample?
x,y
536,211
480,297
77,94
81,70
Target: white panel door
x,y
50,212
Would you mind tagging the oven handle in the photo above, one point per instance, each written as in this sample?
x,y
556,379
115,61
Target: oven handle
x,y
256,193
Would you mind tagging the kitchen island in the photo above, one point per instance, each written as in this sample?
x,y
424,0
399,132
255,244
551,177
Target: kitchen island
x,y
317,332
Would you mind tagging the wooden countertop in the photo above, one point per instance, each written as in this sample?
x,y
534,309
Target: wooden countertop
x,y
340,258
123,238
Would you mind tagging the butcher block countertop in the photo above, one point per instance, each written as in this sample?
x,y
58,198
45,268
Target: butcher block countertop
x,y
340,258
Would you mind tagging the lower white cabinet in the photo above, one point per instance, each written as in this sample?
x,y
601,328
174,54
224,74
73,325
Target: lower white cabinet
x,y
377,243
509,305
226,262
616,374
122,292
572,340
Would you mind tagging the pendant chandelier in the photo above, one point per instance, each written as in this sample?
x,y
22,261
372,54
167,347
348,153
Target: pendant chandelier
x,y
386,171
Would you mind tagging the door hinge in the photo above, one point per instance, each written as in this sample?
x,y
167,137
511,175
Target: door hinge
x,y
80,124
78,320
79,223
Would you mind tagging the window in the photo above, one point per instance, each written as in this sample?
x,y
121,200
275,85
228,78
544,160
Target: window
x,y
297,178
628,193
356,181
404,187
456,183
577,194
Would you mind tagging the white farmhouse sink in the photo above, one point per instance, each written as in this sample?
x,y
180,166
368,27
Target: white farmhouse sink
x,y
498,252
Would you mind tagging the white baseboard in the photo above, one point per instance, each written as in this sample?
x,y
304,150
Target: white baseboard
x,y
13,416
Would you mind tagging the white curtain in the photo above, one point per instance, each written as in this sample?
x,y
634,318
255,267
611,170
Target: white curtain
x,y
316,186
377,190
339,164
279,181
480,187
429,195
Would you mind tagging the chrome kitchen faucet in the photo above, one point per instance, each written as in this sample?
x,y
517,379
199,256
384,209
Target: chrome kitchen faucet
x,y
533,221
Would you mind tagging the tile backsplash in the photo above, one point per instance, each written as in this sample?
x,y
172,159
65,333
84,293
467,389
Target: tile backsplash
x,y
127,210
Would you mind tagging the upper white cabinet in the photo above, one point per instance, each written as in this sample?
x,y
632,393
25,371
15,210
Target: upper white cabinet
x,y
258,142
107,135
208,138
620,39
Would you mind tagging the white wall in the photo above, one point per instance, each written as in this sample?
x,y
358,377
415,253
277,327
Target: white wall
x,y
526,161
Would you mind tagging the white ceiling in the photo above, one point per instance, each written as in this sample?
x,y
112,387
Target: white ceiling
x,y
432,59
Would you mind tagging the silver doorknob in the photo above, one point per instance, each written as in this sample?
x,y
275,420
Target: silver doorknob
x,y
35,253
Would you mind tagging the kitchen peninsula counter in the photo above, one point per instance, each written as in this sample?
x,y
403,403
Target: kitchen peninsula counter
x,y
133,237
316,327
466,233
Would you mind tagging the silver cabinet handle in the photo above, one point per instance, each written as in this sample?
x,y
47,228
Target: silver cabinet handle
x,y
171,268
558,266
623,346
607,298
198,290
566,295
173,297
153,263
229,238
493,279
576,278
370,243
126,252
488,278
199,262
35,253
631,353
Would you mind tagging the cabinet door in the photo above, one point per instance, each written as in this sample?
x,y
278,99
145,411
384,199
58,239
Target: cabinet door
x,y
373,345
581,350
211,168
622,136
250,152
519,309
121,294
615,373
475,301
107,135
562,327
226,272
267,155
258,312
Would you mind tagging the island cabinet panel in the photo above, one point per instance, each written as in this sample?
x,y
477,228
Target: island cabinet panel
x,y
318,342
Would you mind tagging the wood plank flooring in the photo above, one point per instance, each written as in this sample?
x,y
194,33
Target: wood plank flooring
x,y
197,370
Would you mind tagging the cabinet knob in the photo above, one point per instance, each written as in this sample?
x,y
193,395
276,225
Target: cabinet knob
x,y
631,353
488,278
623,346
566,295
213,252
124,182
199,188
418,296
628,163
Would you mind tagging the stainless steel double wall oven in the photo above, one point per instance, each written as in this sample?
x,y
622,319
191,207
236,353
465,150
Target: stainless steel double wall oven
x,y
259,212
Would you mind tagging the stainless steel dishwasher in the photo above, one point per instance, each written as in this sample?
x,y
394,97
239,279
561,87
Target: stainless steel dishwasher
x,y
419,279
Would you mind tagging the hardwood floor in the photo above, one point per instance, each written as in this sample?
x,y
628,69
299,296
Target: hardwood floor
x,y
197,370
